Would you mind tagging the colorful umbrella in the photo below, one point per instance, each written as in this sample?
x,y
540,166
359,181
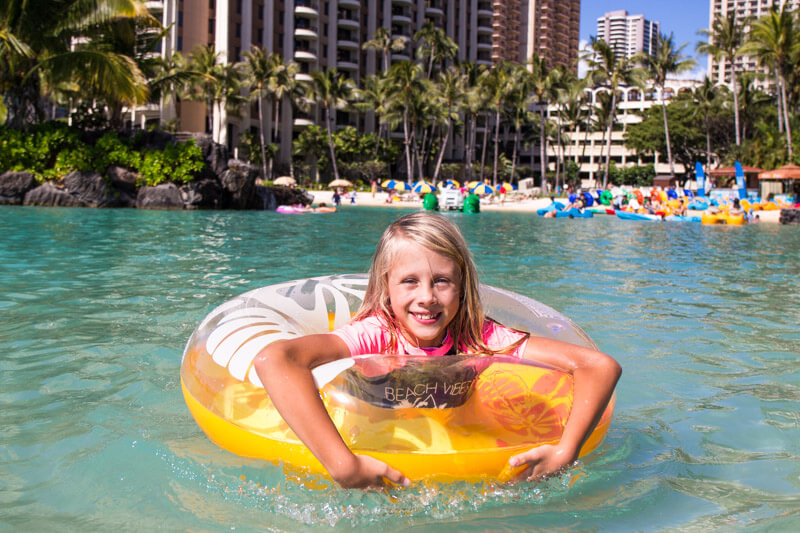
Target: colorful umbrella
x,y
423,187
396,185
508,186
482,188
452,183
473,184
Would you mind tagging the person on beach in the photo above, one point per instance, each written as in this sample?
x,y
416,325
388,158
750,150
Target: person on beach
x,y
422,299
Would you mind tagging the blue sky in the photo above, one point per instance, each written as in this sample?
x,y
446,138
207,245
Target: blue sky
x,y
680,17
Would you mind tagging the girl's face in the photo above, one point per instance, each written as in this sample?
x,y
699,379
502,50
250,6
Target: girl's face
x,y
424,293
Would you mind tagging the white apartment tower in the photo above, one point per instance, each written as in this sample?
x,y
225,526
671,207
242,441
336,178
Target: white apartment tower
x,y
720,71
326,34
627,34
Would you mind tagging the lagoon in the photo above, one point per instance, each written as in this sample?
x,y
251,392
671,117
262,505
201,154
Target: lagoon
x,y
96,306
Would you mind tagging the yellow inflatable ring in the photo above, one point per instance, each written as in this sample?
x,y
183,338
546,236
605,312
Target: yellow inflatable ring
x,y
447,418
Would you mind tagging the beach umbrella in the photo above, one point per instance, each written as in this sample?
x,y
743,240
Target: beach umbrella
x,y
341,183
285,180
452,183
473,184
482,188
423,187
397,185
508,186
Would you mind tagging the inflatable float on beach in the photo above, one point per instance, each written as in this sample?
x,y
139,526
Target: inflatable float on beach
x,y
447,418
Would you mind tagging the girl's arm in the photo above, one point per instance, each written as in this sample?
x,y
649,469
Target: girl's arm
x,y
594,376
284,368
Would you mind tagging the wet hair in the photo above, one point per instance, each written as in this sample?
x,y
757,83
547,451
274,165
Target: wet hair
x,y
438,234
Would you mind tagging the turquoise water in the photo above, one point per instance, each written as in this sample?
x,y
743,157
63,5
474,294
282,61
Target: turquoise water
x,y
96,306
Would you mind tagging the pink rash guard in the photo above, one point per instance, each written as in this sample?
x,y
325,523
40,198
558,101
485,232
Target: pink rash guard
x,y
371,336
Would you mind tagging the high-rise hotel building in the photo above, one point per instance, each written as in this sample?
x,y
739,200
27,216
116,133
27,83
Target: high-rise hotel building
x,y
326,34
720,71
628,35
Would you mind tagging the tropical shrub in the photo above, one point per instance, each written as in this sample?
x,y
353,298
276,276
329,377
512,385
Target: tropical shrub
x,y
179,163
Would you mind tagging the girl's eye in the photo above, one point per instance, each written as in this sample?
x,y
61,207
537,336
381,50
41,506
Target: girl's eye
x,y
442,280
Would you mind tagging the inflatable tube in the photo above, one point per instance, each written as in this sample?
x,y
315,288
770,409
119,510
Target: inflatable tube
x,y
447,418
639,196
588,199
574,213
606,198
712,218
292,210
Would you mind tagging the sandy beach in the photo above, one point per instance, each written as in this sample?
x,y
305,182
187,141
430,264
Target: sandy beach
x,y
512,203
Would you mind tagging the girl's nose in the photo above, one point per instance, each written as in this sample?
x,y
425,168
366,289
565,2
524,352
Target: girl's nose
x,y
426,293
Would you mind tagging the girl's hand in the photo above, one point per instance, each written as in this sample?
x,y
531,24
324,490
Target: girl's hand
x,y
543,461
368,472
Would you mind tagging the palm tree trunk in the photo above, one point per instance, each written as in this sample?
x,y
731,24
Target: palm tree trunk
x,y
542,149
608,140
496,144
666,134
330,142
786,116
779,101
441,153
708,143
514,156
470,148
261,136
406,141
735,106
485,142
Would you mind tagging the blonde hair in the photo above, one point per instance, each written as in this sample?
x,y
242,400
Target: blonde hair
x,y
441,236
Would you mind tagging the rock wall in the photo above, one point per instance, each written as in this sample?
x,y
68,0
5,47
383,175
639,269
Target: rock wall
x,y
223,184
790,216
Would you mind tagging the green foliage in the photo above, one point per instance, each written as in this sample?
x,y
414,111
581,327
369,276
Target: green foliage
x,y
38,149
686,133
178,163
250,148
635,175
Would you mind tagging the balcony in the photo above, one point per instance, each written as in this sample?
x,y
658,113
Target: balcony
x,y
485,28
401,16
303,77
306,33
346,64
353,4
348,23
402,2
306,56
306,11
434,10
302,122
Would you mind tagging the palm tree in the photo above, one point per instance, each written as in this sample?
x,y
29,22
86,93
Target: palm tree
x,y
605,67
382,41
496,84
406,83
705,100
518,101
172,74
331,91
725,40
373,96
36,44
666,60
543,88
203,60
226,96
774,42
435,46
474,103
574,112
451,84
259,68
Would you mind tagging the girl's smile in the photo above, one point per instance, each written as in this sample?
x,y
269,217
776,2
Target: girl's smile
x,y
424,293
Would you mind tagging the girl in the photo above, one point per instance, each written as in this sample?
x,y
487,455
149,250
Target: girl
x,y
422,298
